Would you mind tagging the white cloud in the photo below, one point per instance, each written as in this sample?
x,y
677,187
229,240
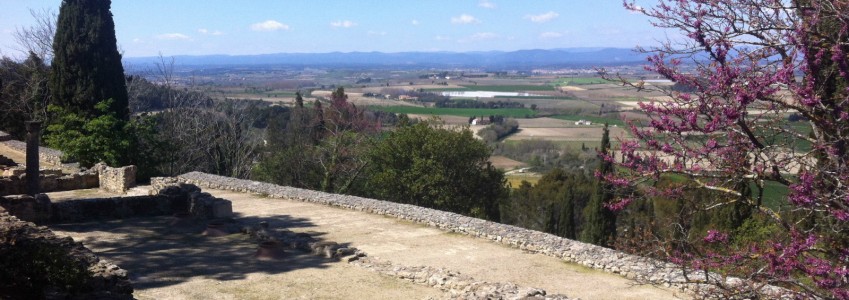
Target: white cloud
x,y
343,24
138,40
487,4
480,36
376,33
173,37
441,38
483,36
415,22
550,35
269,25
464,19
208,32
542,18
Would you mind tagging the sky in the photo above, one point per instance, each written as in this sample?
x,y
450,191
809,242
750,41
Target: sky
x,y
191,27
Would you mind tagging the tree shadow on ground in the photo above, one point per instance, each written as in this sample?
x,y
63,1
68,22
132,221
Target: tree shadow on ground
x,y
163,251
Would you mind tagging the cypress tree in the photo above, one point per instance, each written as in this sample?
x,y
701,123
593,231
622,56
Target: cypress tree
x,y
567,212
86,68
599,221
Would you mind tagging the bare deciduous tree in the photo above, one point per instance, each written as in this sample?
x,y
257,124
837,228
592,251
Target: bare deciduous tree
x,y
38,38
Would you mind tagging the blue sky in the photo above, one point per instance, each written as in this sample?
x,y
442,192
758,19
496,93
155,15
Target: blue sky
x,y
149,27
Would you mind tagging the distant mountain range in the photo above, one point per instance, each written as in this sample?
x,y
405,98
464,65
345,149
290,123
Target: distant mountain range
x,y
521,59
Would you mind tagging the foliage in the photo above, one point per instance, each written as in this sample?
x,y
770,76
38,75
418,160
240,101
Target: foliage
x,y
217,139
86,66
544,155
23,93
744,58
89,141
599,219
322,148
552,205
430,165
497,131
106,139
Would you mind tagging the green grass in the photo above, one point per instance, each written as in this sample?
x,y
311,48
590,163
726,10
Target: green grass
x,y
774,138
595,120
579,81
463,112
774,197
775,194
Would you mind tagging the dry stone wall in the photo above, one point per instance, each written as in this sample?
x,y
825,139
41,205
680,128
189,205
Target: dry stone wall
x,y
45,154
634,267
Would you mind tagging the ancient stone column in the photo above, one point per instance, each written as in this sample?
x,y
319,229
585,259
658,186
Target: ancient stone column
x,y
33,134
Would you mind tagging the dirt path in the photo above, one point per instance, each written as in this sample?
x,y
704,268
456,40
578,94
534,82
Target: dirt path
x,y
226,269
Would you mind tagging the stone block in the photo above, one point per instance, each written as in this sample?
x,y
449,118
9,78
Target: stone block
x,y
222,209
117,180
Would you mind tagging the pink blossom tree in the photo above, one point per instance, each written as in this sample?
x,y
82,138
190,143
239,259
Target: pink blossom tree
x,y
766,103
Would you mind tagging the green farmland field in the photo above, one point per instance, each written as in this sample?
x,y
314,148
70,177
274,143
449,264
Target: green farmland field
x,y
496,88
463,112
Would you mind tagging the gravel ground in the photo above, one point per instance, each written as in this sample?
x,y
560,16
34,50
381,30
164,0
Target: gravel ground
x,y
168,261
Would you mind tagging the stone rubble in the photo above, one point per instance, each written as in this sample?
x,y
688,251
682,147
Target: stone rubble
x,y
455,284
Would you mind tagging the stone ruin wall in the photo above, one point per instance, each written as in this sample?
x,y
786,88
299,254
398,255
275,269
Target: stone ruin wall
x,y
169,200
116,180
641,269
14,181
49,155
20,240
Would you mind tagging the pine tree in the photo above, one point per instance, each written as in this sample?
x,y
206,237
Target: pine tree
x,y
599,221
86,68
